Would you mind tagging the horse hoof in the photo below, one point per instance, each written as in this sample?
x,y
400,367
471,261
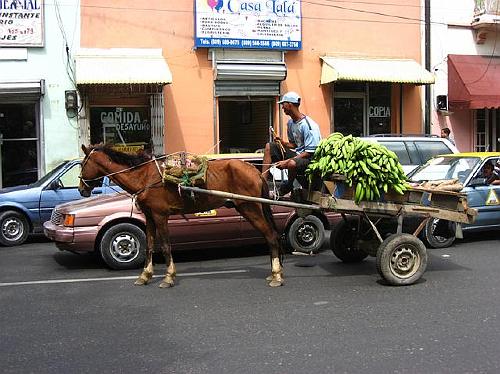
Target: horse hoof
x,y
269,278
275,283
166,285
141,281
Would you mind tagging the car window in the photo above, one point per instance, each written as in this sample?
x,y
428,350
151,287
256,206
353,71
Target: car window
x,y
428,150
399,148
445,168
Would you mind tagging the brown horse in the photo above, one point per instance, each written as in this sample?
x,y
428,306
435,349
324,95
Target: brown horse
x,y
141,177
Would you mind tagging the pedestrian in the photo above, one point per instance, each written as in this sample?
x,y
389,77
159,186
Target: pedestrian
x,y
445,133
295,154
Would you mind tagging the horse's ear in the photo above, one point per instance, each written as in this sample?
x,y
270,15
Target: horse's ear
x,y
85,149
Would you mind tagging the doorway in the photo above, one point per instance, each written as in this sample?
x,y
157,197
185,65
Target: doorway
x,y
487,130
244,124
18,144
349,114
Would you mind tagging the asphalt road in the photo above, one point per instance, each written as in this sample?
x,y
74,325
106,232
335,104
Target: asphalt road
x,y
63,313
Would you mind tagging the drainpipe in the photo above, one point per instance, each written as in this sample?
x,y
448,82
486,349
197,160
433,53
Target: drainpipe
x,y
427,41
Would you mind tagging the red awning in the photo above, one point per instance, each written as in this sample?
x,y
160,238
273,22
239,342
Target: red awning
x,y
473,82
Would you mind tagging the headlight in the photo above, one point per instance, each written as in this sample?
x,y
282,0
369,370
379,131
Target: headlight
x,y
69,220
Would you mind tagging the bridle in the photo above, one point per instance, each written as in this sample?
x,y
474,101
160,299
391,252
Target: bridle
x,y
87,158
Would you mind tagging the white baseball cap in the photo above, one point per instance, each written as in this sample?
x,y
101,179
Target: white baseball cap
x,y
290,97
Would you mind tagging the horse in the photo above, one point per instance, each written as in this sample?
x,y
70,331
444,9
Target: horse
x,y
140,175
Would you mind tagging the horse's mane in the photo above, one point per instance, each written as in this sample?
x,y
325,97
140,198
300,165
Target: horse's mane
x,y
121,157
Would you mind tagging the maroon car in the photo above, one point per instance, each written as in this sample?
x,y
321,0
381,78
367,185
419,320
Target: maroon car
x,y
113,226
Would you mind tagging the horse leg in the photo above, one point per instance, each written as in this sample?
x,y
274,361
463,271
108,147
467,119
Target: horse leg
x,y
254,213
147,272
166,248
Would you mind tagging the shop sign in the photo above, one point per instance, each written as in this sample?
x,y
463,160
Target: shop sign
x,y
262,24
379,111
21,23
123,126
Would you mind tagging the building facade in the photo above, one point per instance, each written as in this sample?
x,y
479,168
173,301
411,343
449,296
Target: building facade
x,y
466,63
357,67
37,131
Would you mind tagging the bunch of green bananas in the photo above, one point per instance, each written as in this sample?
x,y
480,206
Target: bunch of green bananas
x,y
369,165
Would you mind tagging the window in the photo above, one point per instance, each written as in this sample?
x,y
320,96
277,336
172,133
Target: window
x,y
428,150
71,178
400,150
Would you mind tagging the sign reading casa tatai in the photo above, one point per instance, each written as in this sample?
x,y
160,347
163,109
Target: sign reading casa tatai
x,y
264,24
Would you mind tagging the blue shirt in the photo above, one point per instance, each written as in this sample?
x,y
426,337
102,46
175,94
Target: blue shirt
x,y
304,133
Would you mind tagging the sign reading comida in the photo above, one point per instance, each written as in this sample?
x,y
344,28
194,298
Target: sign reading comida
x,y
264,24
21,23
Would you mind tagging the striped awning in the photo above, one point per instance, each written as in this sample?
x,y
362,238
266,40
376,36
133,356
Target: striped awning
x,y
374,70
121,66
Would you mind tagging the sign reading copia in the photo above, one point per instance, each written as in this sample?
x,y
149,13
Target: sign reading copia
x,y
21,23
264,24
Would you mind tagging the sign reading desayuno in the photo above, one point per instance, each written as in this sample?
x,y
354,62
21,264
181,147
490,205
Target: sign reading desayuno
x,y
264,24
21,23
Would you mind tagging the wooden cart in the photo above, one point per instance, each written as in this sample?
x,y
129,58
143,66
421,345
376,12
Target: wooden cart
x,y
401,258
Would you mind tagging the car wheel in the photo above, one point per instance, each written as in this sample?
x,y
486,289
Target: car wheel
x,y
14,228
345,241
437,241
123,246
306,234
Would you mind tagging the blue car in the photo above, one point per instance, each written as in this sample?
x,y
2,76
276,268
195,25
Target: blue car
x,y
24,209
468,169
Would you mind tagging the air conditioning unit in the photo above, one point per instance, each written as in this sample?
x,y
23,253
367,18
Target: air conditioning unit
x,y
442,102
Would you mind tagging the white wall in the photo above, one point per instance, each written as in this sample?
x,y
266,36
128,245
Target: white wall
x,y
59,133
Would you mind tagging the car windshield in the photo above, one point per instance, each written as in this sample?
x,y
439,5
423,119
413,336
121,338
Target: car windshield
x,y
445,167
49,175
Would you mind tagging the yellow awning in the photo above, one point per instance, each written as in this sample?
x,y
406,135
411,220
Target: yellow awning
x,y
374,70
121,66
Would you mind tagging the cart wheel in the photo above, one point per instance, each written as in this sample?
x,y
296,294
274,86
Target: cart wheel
x,y
439,240
344,241
306,234
401,259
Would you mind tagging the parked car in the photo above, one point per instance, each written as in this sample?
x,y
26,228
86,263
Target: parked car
x,y
24,208
467,168
414,151
115,228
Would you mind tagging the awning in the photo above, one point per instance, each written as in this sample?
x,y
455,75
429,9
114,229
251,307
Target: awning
x,y
473,82
374,70
121,66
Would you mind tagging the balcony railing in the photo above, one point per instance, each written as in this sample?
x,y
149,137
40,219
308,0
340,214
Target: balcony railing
x,y
486,18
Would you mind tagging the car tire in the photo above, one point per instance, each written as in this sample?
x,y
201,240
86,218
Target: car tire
x,y
14,228
306,234
435,241
123,246
344,241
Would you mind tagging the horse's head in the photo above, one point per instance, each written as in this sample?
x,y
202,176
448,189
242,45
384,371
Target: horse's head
x,y
91,174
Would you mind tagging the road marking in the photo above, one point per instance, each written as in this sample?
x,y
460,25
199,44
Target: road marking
x,y
56,281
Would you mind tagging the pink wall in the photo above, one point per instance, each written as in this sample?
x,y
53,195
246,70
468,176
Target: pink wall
x,y
327,29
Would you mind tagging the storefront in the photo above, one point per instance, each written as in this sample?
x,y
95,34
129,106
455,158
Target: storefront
x,y
122,95
246,85
20,143
368,94
474,98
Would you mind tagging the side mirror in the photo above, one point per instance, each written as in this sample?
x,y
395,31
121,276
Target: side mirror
x,y
477,182
55,184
